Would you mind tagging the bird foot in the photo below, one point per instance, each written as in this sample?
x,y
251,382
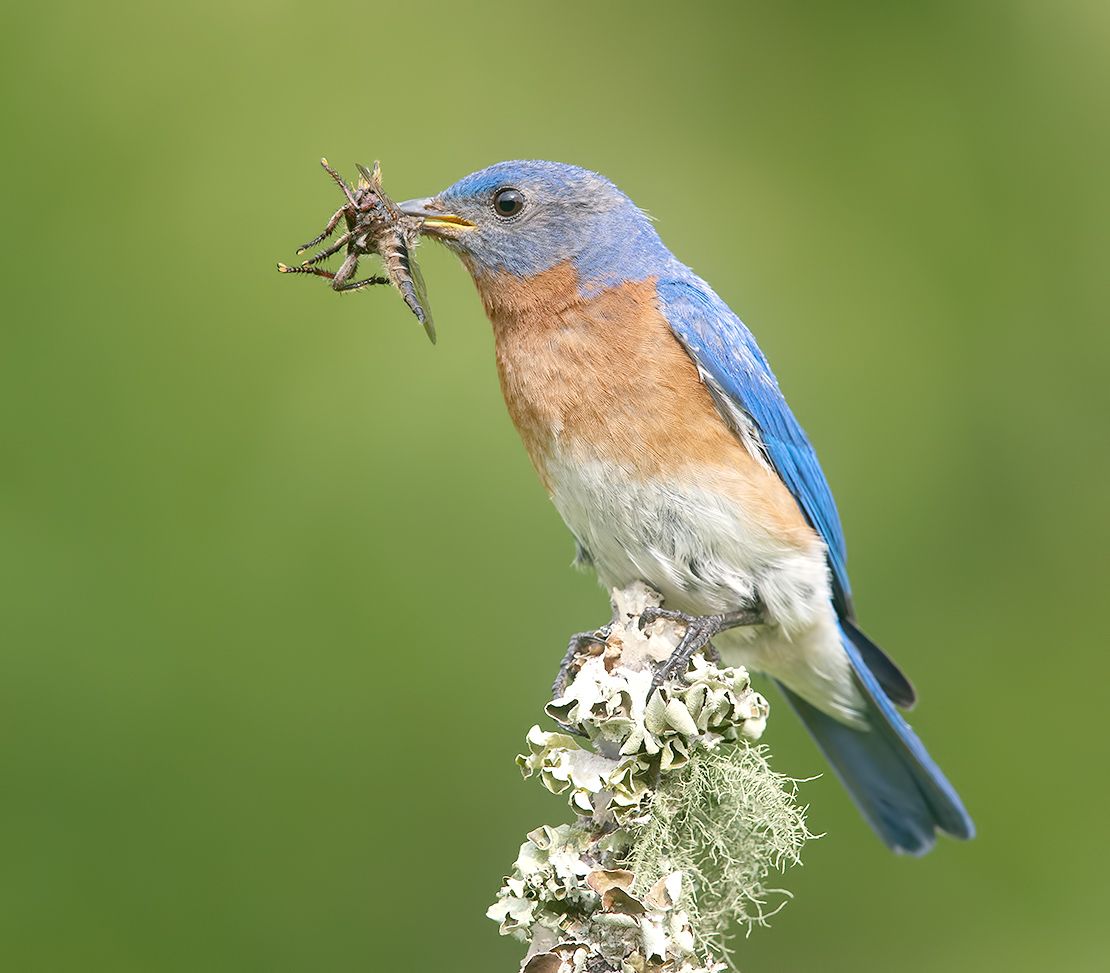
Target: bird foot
x,y
574,648
699,630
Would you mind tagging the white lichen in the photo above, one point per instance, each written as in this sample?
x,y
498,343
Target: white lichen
x,y
681,819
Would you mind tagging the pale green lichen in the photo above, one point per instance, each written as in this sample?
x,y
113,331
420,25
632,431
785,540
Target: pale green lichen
x,y
727,823
548,882
681,820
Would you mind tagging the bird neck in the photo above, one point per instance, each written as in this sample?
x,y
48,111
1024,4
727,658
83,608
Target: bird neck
x,y
510,300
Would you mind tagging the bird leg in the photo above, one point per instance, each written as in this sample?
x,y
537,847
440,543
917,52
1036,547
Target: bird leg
x,y
699,630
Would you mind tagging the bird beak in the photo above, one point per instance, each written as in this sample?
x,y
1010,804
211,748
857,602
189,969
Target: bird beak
x,y
437,221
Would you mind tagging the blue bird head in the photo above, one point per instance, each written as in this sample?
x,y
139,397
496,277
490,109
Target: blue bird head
x,y
524,218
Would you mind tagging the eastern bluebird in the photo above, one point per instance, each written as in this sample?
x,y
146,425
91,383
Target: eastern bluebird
x,y
661,435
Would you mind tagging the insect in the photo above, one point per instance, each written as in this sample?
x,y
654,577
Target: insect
x,y
374,225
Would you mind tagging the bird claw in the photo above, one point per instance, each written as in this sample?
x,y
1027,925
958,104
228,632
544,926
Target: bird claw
x,y
655,612
576,644
574,647
699,630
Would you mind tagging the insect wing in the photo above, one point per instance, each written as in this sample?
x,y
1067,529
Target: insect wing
x,y
422,298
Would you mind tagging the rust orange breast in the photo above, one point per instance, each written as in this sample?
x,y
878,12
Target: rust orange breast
x,y
604,379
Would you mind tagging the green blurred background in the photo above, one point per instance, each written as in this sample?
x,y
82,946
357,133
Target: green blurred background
x,y
228,500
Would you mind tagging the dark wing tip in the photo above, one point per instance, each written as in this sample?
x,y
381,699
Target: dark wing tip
x,y
893,680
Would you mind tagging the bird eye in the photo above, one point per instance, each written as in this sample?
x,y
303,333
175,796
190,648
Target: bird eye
x,y
508,202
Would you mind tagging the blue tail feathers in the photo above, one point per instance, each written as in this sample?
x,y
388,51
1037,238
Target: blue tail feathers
x,y
888,772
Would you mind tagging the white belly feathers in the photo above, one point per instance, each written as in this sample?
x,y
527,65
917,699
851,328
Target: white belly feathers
x,y
705,555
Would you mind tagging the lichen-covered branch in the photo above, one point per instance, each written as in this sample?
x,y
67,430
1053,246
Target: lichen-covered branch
x,y
680,820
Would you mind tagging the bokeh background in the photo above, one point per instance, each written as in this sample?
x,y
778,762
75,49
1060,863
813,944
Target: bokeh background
x,y
280,595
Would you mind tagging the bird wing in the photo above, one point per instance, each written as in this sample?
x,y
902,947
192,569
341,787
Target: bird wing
x,y
747,394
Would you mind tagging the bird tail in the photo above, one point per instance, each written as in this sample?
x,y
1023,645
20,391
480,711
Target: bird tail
x,y
888,772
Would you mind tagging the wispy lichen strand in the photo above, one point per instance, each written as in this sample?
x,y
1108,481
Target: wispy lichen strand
x,y
681,820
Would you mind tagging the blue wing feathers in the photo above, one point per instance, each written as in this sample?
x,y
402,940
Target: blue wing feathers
x,y
887,770
725,349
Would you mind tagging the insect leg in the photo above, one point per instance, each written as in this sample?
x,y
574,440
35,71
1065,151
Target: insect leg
x,y
355,285
341,287
334,248
328,231
315,271
339,181
346,271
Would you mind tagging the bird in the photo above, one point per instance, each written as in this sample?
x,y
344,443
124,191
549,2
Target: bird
x,y
661,435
